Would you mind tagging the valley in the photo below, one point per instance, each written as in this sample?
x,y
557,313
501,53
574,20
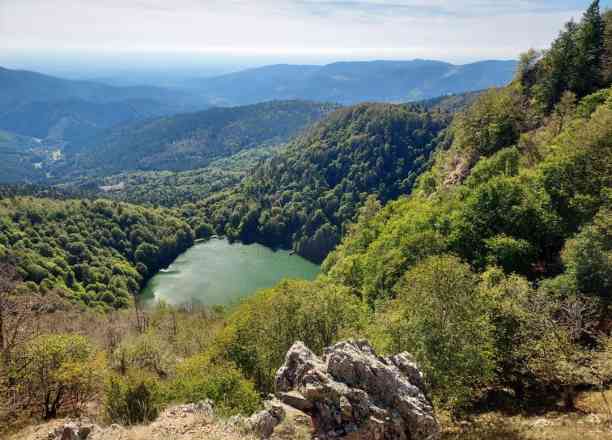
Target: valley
x,y
399,249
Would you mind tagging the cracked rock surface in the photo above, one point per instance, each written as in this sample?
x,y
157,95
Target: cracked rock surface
x,y
351,392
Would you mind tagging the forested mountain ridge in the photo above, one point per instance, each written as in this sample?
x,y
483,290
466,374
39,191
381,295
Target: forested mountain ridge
x,y
304,195
354,82
191,140
174,188
68,109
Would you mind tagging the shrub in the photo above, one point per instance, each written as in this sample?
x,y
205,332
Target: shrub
x,y
265,326
133,399
588,257
58,372
198,379
147,351
442,318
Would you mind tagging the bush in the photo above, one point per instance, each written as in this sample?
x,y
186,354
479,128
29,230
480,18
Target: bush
x,y
265,326
144,352
58,372
588,257
133,399
442,318
198,379
204,231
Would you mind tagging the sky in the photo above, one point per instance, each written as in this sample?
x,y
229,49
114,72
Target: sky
x,y
254,31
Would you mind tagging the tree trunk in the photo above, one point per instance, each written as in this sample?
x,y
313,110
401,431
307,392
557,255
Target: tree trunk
x,y
569,398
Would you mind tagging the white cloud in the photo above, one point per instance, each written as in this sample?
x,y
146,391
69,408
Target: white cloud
x,y
469,29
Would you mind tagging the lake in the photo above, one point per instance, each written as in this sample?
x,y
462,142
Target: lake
x,y
219,273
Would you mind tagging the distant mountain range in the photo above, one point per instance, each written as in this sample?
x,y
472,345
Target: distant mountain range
x,y
43,106
52,125
353,82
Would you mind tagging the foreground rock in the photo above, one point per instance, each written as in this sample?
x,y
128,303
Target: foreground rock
x,y
73,430
263,423
355,394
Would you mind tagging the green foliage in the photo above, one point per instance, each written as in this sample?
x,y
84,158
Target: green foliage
x,y
204,231
442,318
588,257
514,255
490,124
197,379
57,372
304,196
97,253
507,213
133,399
265,326
146,351
503,163
607,56
575,62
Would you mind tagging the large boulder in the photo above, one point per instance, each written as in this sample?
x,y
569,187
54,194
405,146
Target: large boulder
x,y
353,393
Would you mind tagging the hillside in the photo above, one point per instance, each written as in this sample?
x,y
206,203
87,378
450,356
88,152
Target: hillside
x,y
304,196
99,254
353,82
67,109
190,140
72,120
19,156
175,188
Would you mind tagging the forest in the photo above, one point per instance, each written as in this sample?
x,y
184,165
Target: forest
x,y
97,253
188,140
480,241
304,196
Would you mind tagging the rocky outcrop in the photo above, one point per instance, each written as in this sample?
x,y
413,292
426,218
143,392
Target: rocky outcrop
x,y
353,393
72,430
263,423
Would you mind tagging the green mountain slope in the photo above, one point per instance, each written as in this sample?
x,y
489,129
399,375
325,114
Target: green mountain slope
x,y
192,140
97,253
304,195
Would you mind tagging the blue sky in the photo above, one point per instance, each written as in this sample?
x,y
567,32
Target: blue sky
x,y
287,29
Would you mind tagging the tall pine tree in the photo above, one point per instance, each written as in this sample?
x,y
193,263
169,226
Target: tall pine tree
x,y
607,56
558,69
590,45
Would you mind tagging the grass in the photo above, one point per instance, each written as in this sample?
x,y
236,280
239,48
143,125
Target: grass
x,y
591,421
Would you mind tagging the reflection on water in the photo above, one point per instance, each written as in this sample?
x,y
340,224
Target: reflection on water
x,y
217,272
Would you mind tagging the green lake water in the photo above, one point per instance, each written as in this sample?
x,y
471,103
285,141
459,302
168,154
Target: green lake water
x,y
217,272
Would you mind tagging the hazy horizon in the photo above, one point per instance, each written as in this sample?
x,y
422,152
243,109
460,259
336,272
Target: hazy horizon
x,y
148,38
91,65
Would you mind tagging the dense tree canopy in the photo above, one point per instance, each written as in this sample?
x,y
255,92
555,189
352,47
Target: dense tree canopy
x,y
98,253
304,196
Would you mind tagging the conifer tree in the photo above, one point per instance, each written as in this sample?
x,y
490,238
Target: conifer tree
x,y
607,55
590,44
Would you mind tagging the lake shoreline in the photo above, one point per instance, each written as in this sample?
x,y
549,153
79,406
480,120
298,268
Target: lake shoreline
x,y
216,272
